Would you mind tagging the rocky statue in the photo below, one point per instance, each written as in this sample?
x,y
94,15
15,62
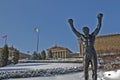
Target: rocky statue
x,y
88,40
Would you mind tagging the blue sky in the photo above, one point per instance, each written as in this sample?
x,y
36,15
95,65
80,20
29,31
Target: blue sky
x,y
18,18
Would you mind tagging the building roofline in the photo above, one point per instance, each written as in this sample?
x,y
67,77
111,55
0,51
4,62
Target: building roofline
x,y
108,35
56,46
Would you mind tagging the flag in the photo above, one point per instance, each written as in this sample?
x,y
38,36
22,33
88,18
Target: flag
x,y
36,29
4,37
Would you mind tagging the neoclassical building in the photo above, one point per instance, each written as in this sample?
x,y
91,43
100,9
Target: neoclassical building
x,y
59,52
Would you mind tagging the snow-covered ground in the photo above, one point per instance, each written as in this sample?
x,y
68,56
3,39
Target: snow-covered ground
x,y
38,69
41,65
71,76
78,75
112,75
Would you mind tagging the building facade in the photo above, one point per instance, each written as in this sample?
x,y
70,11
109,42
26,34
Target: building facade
x,y
58,52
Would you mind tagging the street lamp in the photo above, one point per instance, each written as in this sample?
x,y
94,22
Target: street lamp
x,y
37,30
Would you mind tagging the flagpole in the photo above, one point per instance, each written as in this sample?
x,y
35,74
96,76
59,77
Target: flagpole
x,y
5,38
5,41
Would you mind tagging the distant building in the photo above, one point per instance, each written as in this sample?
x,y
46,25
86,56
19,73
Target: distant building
x,y
75,55
21,55
59,52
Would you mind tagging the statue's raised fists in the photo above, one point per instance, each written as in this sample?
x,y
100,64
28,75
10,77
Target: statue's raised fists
x,y
70,21
99,16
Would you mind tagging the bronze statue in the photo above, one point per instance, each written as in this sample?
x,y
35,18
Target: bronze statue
x,y
88,40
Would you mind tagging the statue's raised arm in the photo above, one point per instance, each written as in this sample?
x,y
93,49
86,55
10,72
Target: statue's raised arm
x,y
99,16
78,34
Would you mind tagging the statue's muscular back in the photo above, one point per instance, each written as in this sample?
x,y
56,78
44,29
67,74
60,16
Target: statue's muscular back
x,y
88,44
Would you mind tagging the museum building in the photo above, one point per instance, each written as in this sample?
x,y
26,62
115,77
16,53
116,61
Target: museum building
x,y
59,52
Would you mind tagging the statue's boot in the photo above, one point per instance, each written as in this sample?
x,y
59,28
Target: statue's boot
x,y
86,65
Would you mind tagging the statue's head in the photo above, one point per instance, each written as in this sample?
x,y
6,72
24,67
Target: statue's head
x,y
86,30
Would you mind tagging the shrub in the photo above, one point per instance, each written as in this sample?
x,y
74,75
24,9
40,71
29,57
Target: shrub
x,y
15,56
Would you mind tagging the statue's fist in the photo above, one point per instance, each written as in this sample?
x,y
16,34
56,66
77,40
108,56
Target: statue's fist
x,y
100,15
70,21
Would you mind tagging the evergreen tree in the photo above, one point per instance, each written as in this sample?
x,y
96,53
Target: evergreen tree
x,y
35,56
50,54
4,56
43,55
1,59
15,56
39,56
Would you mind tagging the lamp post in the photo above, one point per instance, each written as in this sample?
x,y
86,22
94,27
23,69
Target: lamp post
x,y
37,30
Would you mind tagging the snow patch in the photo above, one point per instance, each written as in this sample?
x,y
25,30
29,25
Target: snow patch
x,y
112,75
